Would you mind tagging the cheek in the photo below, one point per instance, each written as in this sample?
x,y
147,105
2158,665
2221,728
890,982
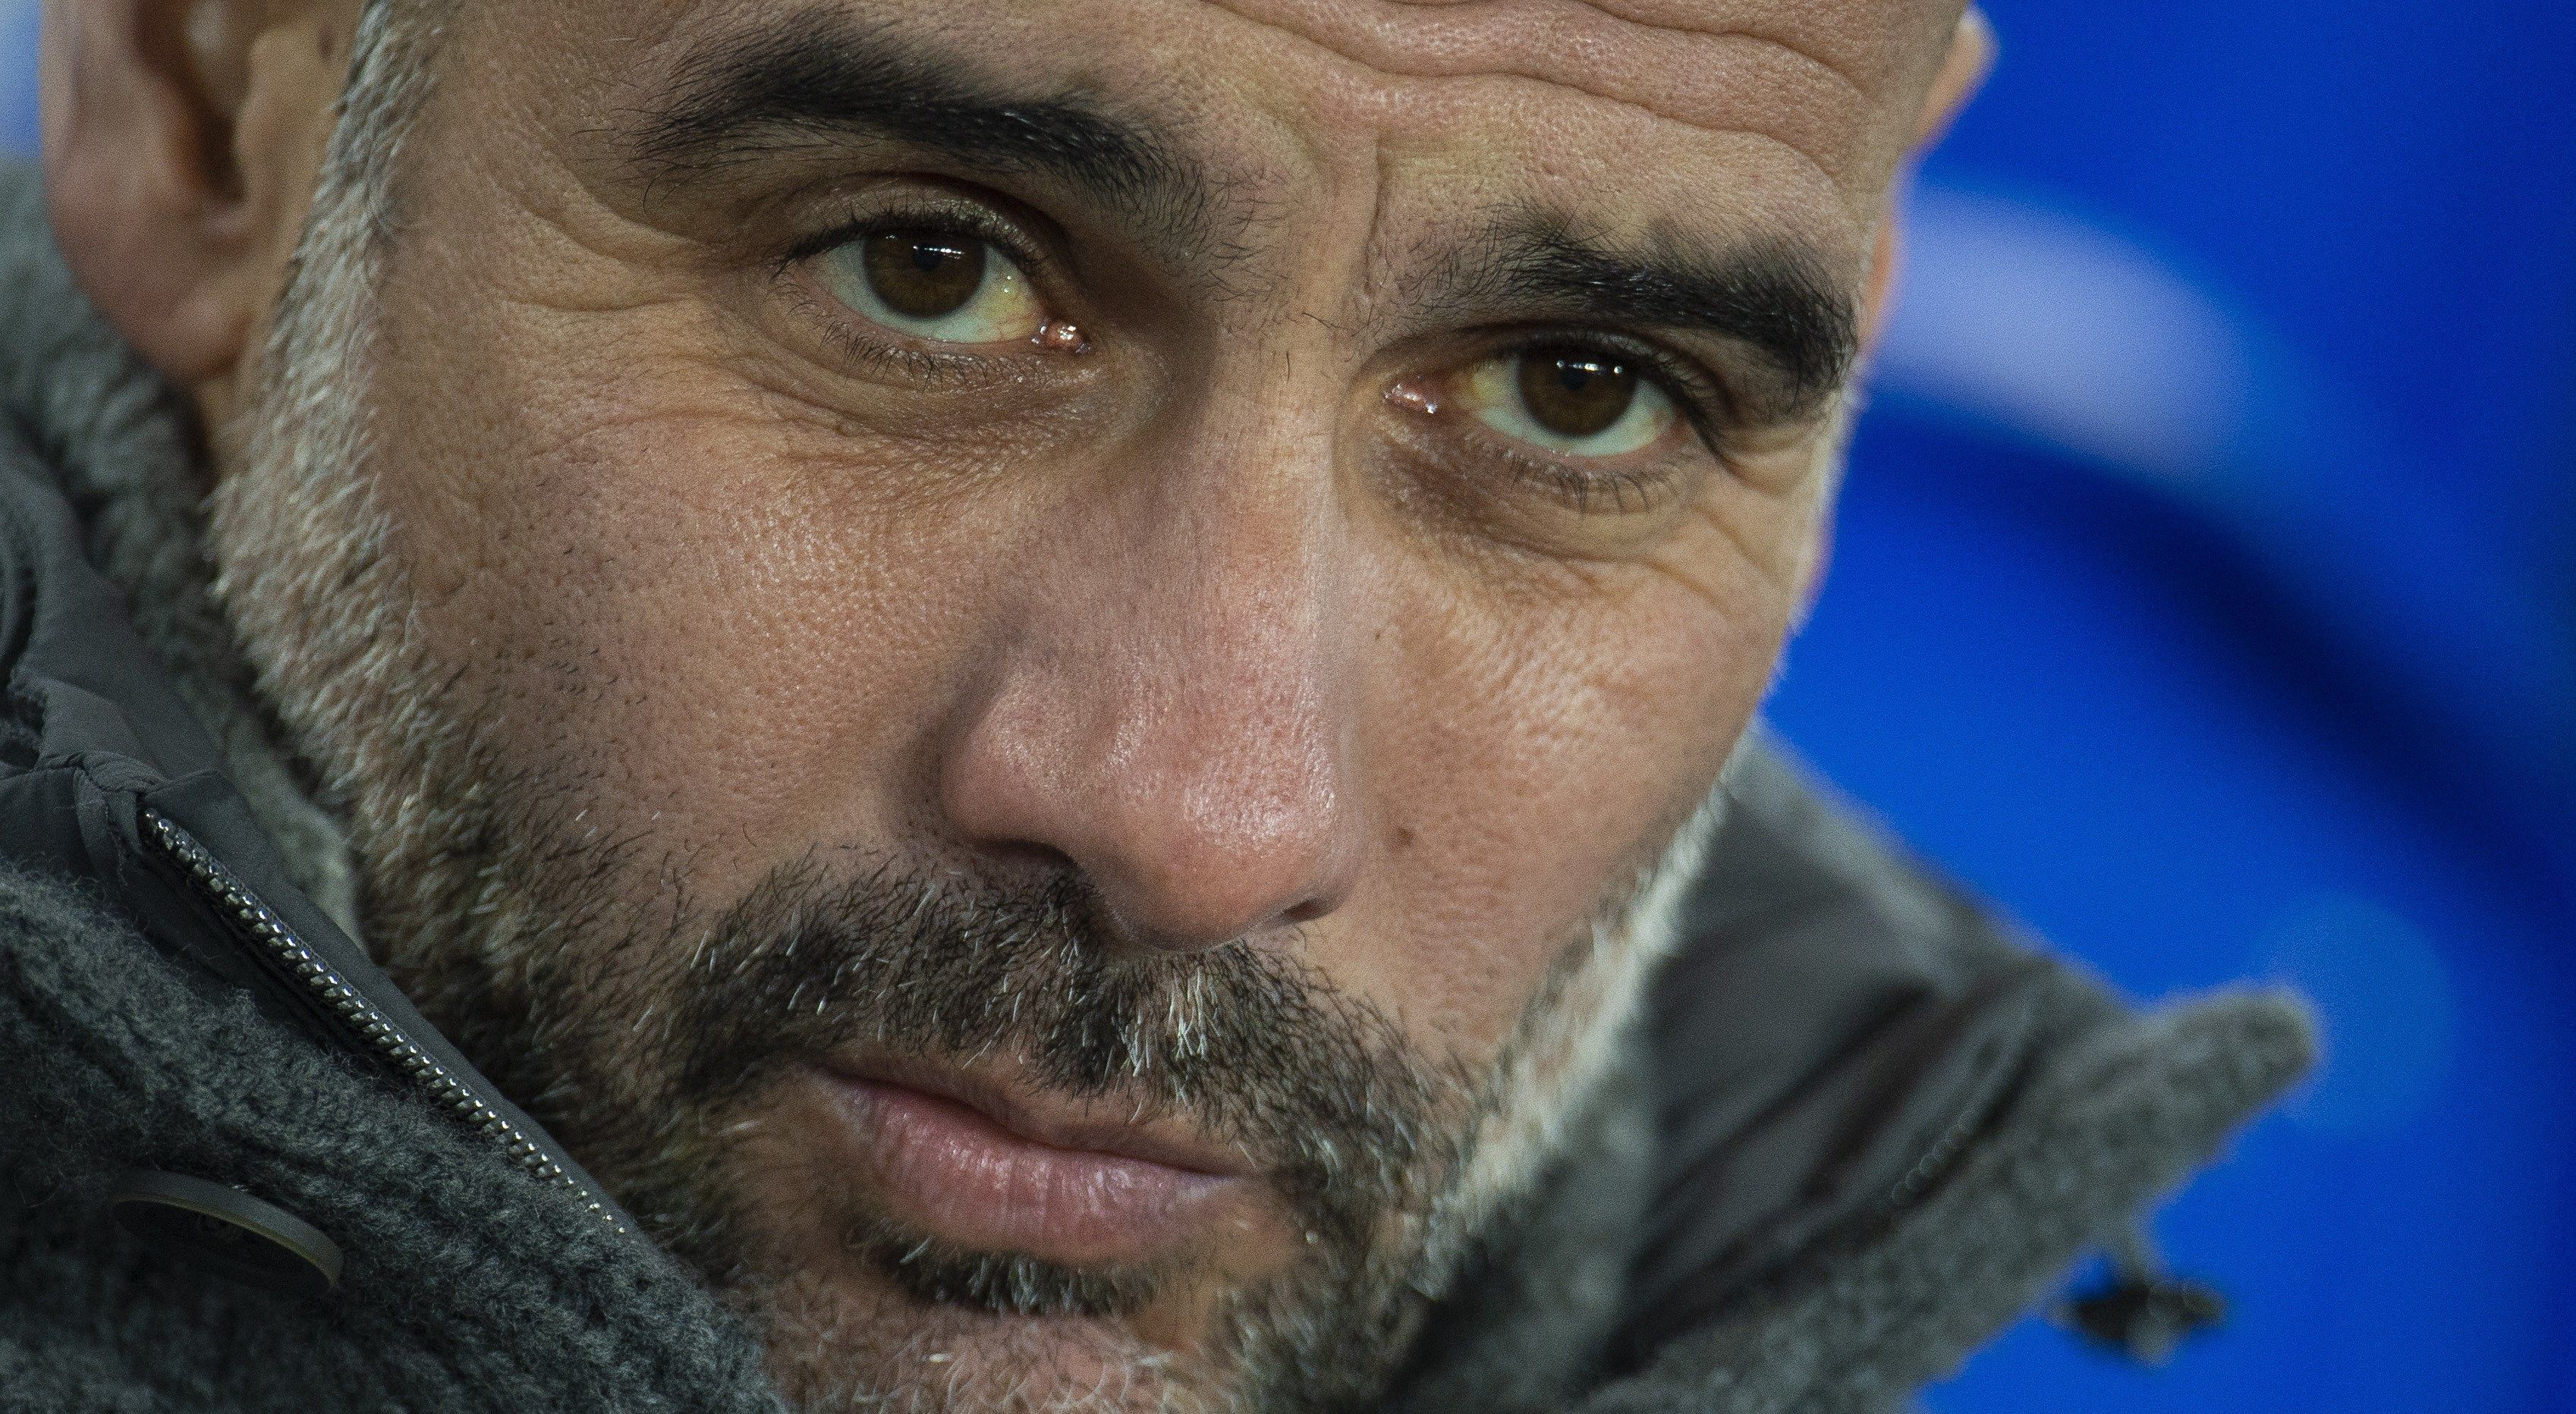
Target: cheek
x,y
675,606
1534,752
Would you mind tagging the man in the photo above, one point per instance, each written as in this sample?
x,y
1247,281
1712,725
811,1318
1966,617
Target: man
x,y
1032,706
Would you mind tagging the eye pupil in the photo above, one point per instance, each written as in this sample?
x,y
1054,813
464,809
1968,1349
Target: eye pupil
x,y
923,276
1574,392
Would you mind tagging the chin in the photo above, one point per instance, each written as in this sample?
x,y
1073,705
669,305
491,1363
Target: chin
x,y
857,1341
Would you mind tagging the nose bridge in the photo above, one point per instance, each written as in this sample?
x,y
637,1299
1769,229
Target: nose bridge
x,y
1173,715
1218,665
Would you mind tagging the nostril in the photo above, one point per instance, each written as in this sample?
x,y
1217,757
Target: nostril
x,y
1125,935
1307,910
1203,904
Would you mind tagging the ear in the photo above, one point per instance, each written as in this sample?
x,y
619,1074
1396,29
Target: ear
x,y
1964,66
182,140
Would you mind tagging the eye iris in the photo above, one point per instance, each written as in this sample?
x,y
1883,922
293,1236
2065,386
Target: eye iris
x,y
923,276
1573,393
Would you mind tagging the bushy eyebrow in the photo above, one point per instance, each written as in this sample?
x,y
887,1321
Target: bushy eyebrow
x,y
1770,294
819,78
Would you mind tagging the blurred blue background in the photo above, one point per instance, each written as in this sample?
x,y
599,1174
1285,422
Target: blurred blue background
x,y
2206,592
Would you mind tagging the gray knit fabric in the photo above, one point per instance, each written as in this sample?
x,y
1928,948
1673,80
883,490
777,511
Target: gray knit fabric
x,y
2113,1124
470,1288
467,1287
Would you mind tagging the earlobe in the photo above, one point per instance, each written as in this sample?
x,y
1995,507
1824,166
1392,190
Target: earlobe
x,y
178,178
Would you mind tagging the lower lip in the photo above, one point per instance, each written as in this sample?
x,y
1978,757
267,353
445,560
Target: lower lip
x,y
970,1182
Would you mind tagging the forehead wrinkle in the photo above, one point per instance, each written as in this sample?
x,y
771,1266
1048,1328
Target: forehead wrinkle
x,y
1766,84
1926,19
1631,14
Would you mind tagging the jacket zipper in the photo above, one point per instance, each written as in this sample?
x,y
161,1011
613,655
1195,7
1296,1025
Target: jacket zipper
x,y
298,963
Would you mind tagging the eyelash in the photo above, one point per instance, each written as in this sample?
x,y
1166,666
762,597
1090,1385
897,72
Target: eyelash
x,y
1705,405
1587,489
1703,400
947,218
964,220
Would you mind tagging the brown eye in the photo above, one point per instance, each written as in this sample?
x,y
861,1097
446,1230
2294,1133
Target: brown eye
x,y
1583,402
1575,393
946,288
922,276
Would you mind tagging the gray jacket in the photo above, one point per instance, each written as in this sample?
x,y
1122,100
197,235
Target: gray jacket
x,y
1863,1128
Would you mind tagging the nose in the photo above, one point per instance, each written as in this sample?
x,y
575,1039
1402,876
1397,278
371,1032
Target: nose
x,y
1169,710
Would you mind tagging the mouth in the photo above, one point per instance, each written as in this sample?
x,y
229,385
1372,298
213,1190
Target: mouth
x,y
985,1162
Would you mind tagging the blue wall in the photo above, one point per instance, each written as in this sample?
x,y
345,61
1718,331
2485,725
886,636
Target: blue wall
x,y
2205,593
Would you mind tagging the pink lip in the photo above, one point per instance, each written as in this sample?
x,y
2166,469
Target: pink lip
x,y
986,1166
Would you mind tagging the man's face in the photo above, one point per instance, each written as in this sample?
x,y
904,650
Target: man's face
x,y
1033,636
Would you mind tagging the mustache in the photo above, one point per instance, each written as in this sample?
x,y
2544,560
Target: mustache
x,y
1242,1040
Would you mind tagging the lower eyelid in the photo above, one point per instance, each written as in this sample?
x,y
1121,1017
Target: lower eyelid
x,y
857,337
858,340
1587,490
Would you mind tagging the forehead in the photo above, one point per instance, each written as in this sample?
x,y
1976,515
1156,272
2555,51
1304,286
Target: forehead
x,y
1742,114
